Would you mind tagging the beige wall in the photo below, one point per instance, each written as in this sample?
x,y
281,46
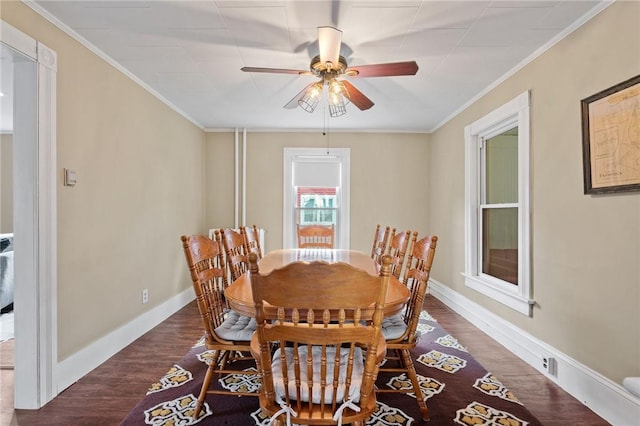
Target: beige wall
x,y
140,170
585,249
6,184
389,180
220,179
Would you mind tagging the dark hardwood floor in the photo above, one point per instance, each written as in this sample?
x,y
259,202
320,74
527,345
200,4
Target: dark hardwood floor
x,y
107,394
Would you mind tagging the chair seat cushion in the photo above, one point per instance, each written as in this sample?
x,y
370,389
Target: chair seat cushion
x,y
236,327
316,351
393,326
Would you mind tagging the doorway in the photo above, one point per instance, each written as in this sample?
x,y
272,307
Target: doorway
x,y
33,66
8,59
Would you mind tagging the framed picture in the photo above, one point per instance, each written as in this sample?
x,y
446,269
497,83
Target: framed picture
x,y
611,139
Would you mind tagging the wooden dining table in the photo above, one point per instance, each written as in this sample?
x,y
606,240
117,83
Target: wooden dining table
x,y
240,297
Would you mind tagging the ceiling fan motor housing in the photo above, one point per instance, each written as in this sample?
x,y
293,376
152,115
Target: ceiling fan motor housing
x,y
320,69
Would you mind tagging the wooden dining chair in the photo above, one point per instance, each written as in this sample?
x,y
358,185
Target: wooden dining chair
x,y
397,249
326,357
251,237
400,331
227,333
316,236
236,252
379,243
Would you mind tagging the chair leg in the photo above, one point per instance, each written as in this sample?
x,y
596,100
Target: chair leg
x,y
215,357
205,387
222,360
411,372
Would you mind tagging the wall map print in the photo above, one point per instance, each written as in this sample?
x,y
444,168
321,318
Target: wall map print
x,y
611,139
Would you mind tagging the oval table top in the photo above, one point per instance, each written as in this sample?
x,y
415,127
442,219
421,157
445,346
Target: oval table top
x,y
240,297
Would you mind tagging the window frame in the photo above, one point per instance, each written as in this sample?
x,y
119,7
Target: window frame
x,y
341,156
514,113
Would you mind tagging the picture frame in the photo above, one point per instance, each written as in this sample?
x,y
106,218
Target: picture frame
x,y
611,139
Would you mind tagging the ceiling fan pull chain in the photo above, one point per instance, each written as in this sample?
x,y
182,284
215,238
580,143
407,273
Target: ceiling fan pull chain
x,y
325,126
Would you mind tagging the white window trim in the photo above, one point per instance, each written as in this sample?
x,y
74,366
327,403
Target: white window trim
x,y
341,154
514,112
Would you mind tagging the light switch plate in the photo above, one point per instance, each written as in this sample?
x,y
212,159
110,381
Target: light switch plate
x,y
70,177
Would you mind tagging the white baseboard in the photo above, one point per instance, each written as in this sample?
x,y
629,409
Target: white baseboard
x,y
604,397
82,362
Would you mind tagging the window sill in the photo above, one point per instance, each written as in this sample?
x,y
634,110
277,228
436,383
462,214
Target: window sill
x,y
502,295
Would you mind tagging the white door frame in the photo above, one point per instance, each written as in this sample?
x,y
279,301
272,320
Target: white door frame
x,y
342,155
35,229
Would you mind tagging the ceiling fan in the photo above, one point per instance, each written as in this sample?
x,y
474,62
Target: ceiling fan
x,y
331,67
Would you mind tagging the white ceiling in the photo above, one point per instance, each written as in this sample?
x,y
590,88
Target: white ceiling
x,y
190,53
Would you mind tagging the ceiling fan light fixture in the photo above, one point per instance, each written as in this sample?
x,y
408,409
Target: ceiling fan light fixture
x,y
309,101
336,98
336,87
337,107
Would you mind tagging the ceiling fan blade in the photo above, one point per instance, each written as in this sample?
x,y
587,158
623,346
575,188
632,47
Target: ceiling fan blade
x,y
329,43
293,103
383,70
274,70
356,96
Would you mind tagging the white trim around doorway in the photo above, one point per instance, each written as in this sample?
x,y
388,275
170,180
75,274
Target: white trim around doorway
x,y
36,297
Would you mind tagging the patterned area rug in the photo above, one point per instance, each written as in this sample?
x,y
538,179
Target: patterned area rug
x,y
459,391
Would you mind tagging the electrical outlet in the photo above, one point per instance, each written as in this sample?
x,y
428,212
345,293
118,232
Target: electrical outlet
x,y
145,296
549,365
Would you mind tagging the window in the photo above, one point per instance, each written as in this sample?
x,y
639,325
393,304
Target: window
x,y
316,191
316,206
497,259
498,207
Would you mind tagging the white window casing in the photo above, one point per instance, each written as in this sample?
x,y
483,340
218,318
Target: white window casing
x,y
316,167
514,113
